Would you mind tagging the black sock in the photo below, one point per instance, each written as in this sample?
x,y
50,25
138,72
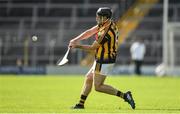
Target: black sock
x,y
120,94
82,100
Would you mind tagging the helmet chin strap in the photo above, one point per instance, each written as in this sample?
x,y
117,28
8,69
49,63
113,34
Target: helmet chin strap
x,y
102,21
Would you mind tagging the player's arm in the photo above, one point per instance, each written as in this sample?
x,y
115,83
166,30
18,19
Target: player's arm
x,y
92,47
86,34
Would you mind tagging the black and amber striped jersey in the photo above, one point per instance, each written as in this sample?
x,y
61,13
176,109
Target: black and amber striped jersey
x,y
108,39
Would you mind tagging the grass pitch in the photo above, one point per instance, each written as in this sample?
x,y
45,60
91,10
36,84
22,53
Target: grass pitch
x,y
56,94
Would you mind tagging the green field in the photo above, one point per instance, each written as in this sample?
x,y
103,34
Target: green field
x,y
56,94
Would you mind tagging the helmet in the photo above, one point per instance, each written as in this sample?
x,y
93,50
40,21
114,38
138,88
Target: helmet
x,y
104,11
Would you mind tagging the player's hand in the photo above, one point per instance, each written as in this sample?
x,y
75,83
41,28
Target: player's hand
x,y
72,44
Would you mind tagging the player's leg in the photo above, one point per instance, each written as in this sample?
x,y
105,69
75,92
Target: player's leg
x,y
100,73
86,89
99,78
87,84
101,87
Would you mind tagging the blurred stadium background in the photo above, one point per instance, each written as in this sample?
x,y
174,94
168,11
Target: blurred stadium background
x,y
55,22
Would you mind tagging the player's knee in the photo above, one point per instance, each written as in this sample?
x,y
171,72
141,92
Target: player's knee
x,y
97,87
89,80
